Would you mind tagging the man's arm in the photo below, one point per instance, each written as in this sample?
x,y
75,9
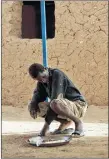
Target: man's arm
x,y
39,95
57,84
50,116
57,88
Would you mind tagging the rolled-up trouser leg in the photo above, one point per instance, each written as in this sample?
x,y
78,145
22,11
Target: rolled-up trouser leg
x,y
43,107
71,110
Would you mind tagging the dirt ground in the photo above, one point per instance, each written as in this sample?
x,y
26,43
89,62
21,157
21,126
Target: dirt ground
x,y
16,147
95,114
85,147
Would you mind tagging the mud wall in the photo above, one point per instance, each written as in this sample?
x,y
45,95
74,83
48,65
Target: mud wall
x,y
79,49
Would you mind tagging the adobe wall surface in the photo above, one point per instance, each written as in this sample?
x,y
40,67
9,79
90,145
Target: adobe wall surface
x,y
79,49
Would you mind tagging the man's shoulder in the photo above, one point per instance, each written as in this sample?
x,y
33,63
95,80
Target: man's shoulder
x,y
56,71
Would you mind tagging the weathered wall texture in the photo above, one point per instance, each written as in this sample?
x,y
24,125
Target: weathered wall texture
x,y
79,49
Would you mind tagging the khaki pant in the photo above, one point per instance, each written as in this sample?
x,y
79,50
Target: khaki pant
x,y
78,108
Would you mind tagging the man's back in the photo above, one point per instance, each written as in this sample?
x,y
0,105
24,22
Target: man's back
x,y
60,83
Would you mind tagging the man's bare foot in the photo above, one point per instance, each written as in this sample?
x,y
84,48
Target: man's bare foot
x,y
65,125
79,126
79,132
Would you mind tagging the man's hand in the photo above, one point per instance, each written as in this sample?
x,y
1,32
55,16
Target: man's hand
x,y
44,130
32,110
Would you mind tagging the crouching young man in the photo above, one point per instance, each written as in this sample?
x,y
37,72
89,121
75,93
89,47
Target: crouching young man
x,y
66,104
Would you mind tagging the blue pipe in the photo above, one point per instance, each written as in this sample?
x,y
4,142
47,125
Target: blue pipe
x,y
43,26
44,35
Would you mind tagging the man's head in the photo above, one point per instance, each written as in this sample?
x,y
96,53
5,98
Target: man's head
x,y
39,72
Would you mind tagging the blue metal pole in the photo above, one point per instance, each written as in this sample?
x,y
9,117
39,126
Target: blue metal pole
x,y
43,25
44,35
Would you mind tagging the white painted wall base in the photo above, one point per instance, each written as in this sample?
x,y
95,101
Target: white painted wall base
x,y
24,127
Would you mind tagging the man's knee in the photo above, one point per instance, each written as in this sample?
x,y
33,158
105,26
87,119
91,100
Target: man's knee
x,y
55,105
43,107
42,104
54,102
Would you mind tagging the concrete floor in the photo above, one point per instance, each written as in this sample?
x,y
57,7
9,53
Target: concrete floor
x,y
26,127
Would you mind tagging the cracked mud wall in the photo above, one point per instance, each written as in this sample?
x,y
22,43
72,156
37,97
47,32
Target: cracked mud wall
x,y
79,49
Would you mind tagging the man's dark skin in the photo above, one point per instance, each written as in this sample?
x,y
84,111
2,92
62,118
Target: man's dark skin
x,y
55,108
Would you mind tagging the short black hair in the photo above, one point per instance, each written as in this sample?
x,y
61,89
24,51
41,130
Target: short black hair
x,y
35,69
